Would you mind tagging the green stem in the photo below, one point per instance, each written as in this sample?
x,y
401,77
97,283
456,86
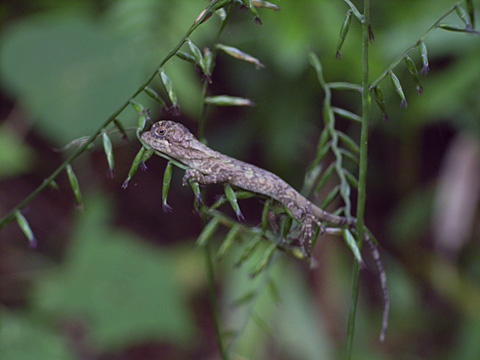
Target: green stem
x,y
11,214
213,301
414,45
362,173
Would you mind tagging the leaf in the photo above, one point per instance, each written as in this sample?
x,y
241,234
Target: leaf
x,y
352,244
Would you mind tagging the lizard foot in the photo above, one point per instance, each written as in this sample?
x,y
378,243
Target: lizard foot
x,y
192,175
309,220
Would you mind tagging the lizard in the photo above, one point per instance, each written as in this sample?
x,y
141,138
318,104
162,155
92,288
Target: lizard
x,y
207,166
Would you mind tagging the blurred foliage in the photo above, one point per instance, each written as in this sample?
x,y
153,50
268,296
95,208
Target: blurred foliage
x,y
95,288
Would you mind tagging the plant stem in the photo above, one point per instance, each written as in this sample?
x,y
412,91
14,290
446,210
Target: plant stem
x,y
11,214
362,173
213,301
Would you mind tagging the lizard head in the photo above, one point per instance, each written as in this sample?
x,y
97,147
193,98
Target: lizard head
x,y
171,138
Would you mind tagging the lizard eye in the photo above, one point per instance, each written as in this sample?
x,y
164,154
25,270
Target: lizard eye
x,y
161,131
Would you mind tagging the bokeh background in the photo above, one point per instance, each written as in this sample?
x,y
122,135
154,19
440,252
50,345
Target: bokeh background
x,y
121,279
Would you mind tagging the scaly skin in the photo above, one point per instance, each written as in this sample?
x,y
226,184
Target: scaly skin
x,y
208,166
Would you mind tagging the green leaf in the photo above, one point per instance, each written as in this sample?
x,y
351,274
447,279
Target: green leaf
x,y
135,164
126,291
232,199
107,147
167,177
63,69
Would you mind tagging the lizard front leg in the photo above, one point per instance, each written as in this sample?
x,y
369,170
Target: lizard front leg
x,y
197,176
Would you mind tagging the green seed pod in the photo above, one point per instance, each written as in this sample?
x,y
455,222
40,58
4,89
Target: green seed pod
x,y
139,108
72,178
471,13
107,147
120,128
455,28
154,95
264,4
228,242
347,140
413,70
199,60
167,177
167,83
208,58
142,121
330,197
265,217
352,244
347,114
267,256
324,178
198,194
237,54
398,88
232,199
224,100
248,251
25,227
135,164
184,56
53,184
351,179
463,16
380,100
423,53
343,32
208,231
248,4
148,154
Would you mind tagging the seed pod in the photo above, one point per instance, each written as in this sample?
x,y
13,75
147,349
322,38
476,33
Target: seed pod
x,y
142,121
225,100
154,95
352,244
455,28
380,100
251,246
228,242
200,61
347,114
232,199
413,70
347,140
237,54
25,227
208,58
167,176
423,53
248,4
267,256
343,32
330,197
139,108
184,56
265,217
135,164
120,128
350,178
72,178
463,16
107,147
398,89
264,4
324,177
471,13
208,231
167,83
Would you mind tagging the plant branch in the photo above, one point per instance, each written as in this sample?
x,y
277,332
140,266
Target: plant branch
x,y
414,45
11,214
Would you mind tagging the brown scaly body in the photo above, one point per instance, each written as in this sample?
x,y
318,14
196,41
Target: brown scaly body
x,y
208,166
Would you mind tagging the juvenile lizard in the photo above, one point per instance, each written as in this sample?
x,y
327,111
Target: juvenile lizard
x,y
207,166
